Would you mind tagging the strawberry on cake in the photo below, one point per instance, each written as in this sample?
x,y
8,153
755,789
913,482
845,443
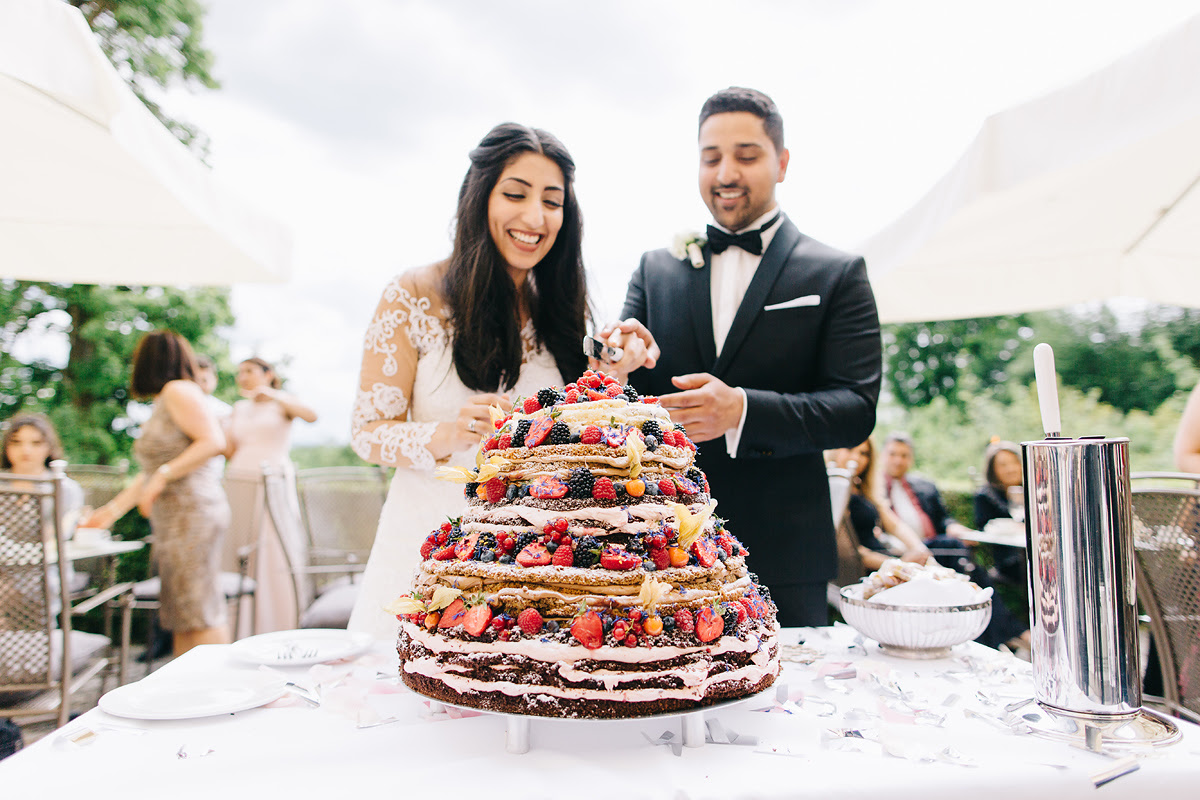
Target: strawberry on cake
x,y
587,575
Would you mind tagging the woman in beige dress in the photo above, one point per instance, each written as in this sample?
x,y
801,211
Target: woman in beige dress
x,y
179,489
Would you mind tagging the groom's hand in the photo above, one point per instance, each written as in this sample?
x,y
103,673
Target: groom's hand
x,y
640,349
707,406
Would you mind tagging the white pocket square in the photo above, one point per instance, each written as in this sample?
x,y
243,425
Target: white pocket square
x,y
799,302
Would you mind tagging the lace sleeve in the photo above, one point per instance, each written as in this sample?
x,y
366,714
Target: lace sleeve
x,y
401,331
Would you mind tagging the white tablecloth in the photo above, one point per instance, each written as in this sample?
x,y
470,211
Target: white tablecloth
x,y
288,750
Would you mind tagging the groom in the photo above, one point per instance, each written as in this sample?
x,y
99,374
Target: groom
x,y
769,351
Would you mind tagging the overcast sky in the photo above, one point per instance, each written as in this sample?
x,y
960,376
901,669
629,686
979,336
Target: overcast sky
x,y
351,122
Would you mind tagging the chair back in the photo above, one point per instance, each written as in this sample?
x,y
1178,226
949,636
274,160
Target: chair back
x,y
340,508
285,522
100,482
1166,530
31,537
244,490
840,480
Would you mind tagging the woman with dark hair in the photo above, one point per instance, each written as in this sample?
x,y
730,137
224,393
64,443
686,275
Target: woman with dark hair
x,y
1002,471
259,433
30,444
503,316
179,489
870,515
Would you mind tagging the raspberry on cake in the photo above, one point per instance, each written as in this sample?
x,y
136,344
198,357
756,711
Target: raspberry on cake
x,y
601,583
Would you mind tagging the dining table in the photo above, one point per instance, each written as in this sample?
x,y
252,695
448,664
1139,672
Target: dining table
x,y
1008,532
845,719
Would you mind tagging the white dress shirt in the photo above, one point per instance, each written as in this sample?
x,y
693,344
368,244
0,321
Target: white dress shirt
x,y
731,274
902,503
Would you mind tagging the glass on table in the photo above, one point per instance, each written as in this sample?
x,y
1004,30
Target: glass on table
x,y
1016,503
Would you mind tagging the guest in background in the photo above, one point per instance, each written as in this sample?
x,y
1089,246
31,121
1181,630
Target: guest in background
x,y
179,489
919,503
1002,472
916,500
870,514
260,430
30,444
1187,438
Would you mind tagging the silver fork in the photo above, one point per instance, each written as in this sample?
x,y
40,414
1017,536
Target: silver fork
x,y
302,693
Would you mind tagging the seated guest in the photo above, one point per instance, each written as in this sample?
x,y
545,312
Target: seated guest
x,y
1002,471
918,502
915,500
869,515
30,444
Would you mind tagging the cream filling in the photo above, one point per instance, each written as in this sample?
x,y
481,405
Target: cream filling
x,y
615,517
430,668
551,652
601,412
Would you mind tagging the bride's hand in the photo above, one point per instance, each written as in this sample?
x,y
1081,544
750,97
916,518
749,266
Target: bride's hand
x,y
475,418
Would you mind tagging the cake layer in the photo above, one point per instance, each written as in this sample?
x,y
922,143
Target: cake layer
x,y
546,677
558,591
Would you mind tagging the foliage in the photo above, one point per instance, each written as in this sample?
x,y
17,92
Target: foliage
x,y
1136,360
98,326
1129,368
927,360
951,439
153,44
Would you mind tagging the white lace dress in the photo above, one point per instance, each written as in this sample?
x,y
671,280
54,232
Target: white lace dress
x,y
407,386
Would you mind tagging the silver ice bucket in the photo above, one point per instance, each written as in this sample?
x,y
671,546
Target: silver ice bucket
x,y
1082,592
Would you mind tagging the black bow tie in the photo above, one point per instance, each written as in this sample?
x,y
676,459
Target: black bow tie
x,y
750,241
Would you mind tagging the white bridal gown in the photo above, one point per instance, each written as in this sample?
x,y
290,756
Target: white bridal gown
x,y
408,385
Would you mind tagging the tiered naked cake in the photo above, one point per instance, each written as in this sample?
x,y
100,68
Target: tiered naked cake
x,y
587,576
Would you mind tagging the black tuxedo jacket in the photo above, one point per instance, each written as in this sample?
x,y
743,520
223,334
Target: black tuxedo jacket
x,y
811,373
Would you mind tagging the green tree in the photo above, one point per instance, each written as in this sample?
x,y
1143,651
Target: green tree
x,y
1122,359
928,360
153,44
1135,361
97,327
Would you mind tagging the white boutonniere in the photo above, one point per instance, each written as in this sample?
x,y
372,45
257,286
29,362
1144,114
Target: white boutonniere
x,y
687,246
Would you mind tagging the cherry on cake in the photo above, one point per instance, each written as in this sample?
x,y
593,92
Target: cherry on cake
x,y
587,575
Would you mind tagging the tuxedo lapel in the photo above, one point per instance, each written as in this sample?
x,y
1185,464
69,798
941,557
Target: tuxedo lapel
x,y
756,294
700,306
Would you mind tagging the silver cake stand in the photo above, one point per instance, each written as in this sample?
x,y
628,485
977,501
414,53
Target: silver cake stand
x,y
692,722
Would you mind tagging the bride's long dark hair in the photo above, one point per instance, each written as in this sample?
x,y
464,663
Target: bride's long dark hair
x,y
481,296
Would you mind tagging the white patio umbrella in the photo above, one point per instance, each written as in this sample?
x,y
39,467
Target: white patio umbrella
x,y
93,189
1089,193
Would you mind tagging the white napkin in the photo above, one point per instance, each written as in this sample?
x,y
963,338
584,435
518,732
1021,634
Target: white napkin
x,y
918,592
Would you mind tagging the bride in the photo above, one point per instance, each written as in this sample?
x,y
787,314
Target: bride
x,y
502,317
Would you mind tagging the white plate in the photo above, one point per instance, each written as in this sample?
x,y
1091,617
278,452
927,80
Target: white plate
x,y
207,696
300,648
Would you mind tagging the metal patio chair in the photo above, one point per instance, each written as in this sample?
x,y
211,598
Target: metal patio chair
x,y
340,508
325,592
43,661
1166,528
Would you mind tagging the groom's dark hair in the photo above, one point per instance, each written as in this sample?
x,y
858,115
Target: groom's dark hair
x,y
736,98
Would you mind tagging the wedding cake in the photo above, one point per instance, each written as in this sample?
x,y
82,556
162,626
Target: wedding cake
x,y
587,575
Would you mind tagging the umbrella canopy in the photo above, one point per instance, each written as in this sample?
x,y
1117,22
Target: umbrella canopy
x,y
93,189
1089,193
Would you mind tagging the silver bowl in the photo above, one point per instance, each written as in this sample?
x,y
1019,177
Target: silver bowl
x,y
914,631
